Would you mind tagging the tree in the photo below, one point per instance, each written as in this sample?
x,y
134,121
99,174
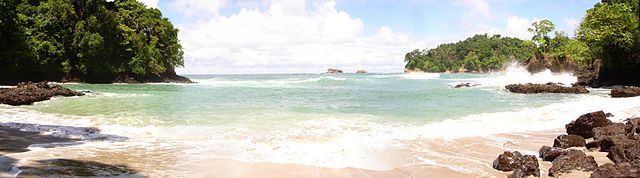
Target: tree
x,y
540,31
611,32
94,40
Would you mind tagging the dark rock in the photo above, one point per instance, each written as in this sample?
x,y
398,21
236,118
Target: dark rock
x,y
334,71
528,166
572,160
588,74
507,161
632,126
361,71
466,85
609,130
28,93
624,153
610,115
625,91
522,166
567,141
545,88
75,168
584,125
548,153
630,169
608,142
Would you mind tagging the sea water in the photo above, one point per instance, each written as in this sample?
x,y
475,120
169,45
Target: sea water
x,y
343,120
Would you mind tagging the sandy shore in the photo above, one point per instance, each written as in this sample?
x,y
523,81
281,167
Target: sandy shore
x,y
444,157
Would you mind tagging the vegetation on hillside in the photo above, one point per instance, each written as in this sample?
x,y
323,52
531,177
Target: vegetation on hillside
x,y
478,53
90,40
610,31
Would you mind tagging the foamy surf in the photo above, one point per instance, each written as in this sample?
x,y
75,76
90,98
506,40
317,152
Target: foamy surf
x,y
382,123
515,74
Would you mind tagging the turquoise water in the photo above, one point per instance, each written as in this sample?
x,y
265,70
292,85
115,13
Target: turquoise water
x,y
280,99
370,121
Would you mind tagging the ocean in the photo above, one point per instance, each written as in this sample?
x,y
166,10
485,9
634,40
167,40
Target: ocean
x,y
372,122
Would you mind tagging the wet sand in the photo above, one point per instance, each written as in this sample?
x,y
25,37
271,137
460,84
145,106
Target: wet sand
x,y
443,157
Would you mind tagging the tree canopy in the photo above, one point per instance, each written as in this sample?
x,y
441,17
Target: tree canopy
x,y
92,40
611,30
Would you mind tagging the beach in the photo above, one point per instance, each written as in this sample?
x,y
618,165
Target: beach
x,y
304,125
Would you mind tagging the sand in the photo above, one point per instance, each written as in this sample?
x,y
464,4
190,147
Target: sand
x,y
443,157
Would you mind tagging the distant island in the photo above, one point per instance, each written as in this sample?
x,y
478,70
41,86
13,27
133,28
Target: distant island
x,y
87,41
605,50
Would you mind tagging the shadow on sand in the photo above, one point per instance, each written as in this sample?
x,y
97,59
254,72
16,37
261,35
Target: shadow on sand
x,y
14,140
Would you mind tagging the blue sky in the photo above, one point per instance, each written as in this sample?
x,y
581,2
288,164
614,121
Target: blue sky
x,y
308,36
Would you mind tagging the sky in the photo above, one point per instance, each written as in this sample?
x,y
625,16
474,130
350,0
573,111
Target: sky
x,y
309,36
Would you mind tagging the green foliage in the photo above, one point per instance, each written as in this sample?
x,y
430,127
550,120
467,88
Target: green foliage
x,y
611,31
90,39
541,30
478,53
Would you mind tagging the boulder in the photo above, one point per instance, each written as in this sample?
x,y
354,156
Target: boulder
x,y
27,93
610,115
507,161
548,153
624,153
522,166
361,71
528,166
461,85
608,142
334,71
625,91
572,160
545,88
584,125
567,141
609,130
630,169
632,126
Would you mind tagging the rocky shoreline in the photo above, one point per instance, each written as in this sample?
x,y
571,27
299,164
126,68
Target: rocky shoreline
x,y
27,93
621,142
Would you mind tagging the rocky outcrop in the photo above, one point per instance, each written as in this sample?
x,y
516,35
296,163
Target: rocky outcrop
x,y
334,71
623,92
630,169
632,126
27,93
548,153
522,166
584,125
545,88
361,71
75,168
609,130
588,75
462,85
568,141
572,160
624,152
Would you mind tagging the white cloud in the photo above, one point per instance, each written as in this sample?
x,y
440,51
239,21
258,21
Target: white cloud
x,y
200,8
572,24
478,7
150,3
517,27
290,36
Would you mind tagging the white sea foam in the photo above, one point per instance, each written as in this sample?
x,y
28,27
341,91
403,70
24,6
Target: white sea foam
x,y
516,73
360,141
419,76
266,83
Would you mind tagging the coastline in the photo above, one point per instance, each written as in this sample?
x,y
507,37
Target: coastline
x,y
466,155
472,158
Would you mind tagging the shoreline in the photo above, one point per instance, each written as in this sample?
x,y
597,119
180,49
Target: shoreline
x,y
479,151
